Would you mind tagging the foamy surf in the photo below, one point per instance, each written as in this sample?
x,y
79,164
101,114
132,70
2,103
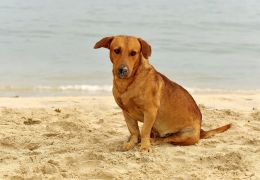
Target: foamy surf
x,y
222,91
89,88
62,90
92,89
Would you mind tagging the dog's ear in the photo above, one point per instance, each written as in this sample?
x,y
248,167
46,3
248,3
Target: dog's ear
x,y
145,48
105,42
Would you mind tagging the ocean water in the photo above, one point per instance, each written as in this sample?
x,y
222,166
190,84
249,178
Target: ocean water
x,y
46,47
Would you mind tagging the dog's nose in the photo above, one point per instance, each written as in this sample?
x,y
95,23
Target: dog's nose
x,y
122,71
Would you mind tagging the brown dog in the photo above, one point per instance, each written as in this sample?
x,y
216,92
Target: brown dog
x,y
166,109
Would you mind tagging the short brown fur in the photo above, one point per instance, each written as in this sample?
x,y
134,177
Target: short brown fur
x,y
167,110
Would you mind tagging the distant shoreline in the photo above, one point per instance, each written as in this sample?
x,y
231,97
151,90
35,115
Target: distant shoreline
x,y
98,90
105,91
238,101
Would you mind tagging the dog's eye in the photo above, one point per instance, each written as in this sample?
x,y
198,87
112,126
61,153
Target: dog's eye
x,y
132,53
117,51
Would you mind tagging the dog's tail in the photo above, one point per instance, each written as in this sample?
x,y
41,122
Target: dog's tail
x,y
207,134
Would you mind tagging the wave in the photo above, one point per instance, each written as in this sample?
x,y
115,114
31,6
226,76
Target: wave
x,y
91,88
86,89
222,91
62,90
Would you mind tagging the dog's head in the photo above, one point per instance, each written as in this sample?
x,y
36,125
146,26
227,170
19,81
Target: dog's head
x,y
125,53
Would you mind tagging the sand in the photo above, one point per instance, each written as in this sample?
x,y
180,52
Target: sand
x,y
81,138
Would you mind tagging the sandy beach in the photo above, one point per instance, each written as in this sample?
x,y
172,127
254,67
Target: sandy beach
x,y
81,138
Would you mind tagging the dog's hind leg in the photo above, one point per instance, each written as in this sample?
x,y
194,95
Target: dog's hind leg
x,y
186,136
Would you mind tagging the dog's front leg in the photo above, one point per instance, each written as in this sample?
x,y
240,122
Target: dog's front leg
x,y
149,118
134,132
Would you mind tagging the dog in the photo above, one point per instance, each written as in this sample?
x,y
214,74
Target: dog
x,y
167,110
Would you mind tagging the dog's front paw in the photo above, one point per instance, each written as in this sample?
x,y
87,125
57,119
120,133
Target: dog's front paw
x,y
146,148
127,146
155,141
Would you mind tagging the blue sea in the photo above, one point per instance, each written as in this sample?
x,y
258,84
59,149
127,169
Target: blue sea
x,y
46,47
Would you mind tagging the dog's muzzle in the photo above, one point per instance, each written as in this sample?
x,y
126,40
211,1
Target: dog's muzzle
x,y
122,71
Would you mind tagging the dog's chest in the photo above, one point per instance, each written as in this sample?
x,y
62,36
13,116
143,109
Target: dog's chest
x,y
131,105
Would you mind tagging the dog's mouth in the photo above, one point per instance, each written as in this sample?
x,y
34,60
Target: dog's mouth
x,y
122,76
